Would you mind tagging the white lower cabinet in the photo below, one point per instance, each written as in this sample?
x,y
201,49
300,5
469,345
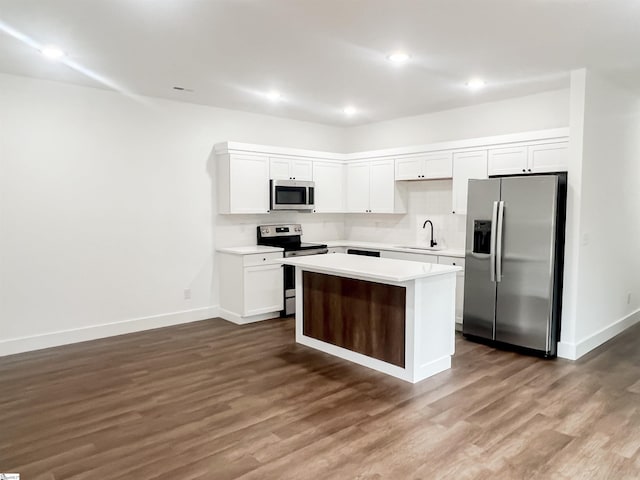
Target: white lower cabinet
x,y
263,289
459,262
251,286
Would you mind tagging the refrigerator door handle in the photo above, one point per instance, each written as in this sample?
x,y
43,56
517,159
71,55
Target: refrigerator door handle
x,y
498,256
492,246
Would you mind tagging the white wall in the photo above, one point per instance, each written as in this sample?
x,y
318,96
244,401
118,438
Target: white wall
x,y
608,257
522,114
107,207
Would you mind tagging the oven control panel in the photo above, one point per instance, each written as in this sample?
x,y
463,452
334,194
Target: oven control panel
x,y
280,230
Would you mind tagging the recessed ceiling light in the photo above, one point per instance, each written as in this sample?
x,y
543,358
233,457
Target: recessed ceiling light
x,y
476,83
349,110
398,57
274,96
52,52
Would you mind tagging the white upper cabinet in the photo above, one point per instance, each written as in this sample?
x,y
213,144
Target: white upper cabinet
x,y
377,181
382,188
243,184
358,175
329,178
371,187
548,157
507,161
424,167
281,168
466,165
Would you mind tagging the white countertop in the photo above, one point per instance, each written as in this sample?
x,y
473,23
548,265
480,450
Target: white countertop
x,y
447,252
383,269
249,250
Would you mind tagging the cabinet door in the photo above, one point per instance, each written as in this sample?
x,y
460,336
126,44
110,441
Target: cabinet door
x,y
409,168
248,184
438,165
279,168
301,170
459,284
507,161
358,187
329,192
552,157
466,165
263,289
382,187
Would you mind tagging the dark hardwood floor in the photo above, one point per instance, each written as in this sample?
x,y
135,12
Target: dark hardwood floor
x,y
212,400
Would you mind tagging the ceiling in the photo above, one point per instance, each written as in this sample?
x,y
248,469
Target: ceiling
x,y
322,54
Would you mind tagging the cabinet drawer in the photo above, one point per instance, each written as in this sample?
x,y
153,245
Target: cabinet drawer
x,y
454,261
261,258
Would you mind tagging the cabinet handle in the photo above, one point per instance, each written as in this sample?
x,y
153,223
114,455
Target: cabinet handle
x,y
264,259
523,170
453,211
454,264
529,169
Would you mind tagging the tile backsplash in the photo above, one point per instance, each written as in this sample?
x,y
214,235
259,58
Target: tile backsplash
x,y
430,200
425,200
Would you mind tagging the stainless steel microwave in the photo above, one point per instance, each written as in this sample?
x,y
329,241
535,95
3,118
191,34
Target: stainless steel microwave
x,y
292,195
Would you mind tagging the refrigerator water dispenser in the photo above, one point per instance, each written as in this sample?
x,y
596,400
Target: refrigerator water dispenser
x,y
482,236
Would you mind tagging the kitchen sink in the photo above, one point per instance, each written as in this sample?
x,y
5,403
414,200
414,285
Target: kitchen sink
x,y
421,247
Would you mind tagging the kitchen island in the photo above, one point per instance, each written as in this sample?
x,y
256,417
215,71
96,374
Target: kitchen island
x,y
395,316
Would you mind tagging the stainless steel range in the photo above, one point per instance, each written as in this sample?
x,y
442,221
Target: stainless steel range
x,y
289,237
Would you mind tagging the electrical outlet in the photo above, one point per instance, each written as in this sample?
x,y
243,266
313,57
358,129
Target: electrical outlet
x,y
585,239
628,298
187,294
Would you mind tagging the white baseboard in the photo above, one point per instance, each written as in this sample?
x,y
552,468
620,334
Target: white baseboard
x,y
574,351
93,332
238,320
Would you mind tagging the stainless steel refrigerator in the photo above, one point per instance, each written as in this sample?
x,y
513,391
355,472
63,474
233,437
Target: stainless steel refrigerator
x,y
514,260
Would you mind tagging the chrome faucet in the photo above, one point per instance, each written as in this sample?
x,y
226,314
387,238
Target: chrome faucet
x,y
433,243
